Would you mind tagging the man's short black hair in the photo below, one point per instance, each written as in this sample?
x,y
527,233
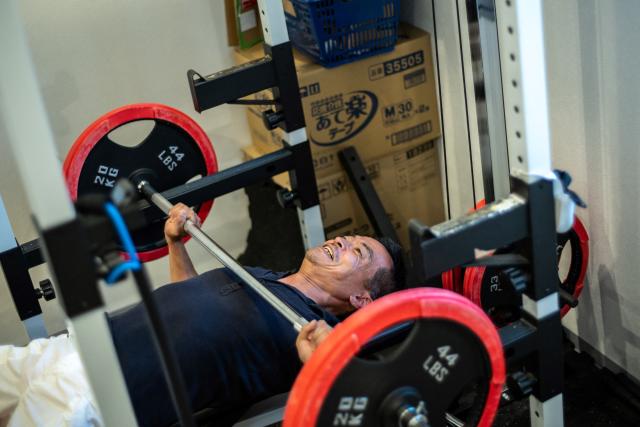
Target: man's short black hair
x,y
385,281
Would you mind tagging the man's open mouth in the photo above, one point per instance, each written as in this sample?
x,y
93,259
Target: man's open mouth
x,y
329,251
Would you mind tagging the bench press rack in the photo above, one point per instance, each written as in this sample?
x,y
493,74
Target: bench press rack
x,y
535,210
536,339
527,212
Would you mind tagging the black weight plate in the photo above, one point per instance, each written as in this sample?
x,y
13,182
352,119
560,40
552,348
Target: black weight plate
x,y
174,152
451,349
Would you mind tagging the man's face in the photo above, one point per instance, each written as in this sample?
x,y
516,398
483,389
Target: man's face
x,y
347,262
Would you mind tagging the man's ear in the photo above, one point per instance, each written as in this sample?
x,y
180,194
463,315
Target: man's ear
x,y
359,301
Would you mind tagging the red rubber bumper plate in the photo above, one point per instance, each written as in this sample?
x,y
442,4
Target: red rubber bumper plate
x,y
314,383
574,282
176,150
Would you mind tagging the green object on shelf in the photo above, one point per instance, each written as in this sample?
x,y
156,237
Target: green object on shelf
x,y
247,23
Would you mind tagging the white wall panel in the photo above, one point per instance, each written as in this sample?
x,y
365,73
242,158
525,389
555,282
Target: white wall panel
x,y
592,53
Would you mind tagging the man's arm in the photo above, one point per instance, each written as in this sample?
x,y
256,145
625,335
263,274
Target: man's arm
x,y
180,265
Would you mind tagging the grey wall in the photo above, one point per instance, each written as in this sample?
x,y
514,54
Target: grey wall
x,y
593,60
93,56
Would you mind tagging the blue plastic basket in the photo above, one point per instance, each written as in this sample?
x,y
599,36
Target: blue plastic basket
x,y
335,32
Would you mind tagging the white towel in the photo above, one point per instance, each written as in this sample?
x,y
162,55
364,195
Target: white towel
x,y
44,384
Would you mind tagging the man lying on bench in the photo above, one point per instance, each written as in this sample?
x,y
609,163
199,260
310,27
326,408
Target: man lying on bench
x,y
233,348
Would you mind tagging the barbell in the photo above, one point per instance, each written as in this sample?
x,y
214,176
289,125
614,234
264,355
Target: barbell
x,y
407,359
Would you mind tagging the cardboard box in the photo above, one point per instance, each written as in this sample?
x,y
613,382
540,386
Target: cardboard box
x,y
408,183
379,105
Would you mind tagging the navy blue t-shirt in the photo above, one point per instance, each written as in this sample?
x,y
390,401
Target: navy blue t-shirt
x,y
233,348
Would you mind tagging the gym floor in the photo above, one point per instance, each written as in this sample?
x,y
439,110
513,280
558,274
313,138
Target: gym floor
x,y
592,396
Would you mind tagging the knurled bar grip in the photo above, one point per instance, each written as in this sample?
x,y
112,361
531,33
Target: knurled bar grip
x,y
227,260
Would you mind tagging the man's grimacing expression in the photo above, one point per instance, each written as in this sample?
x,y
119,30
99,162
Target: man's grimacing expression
x,y
348,262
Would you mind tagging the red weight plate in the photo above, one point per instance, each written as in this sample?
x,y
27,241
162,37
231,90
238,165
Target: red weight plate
x,y
447,280
458,275
472,285
481,204
83,145
452,280
316,378
455,279
472,279
583,237
473,276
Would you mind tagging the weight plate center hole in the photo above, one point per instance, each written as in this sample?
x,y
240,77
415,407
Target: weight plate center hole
x,y
194,178
564,264
132,134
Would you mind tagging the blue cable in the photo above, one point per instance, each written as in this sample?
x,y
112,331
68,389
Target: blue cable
x,y
119,269
125,238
